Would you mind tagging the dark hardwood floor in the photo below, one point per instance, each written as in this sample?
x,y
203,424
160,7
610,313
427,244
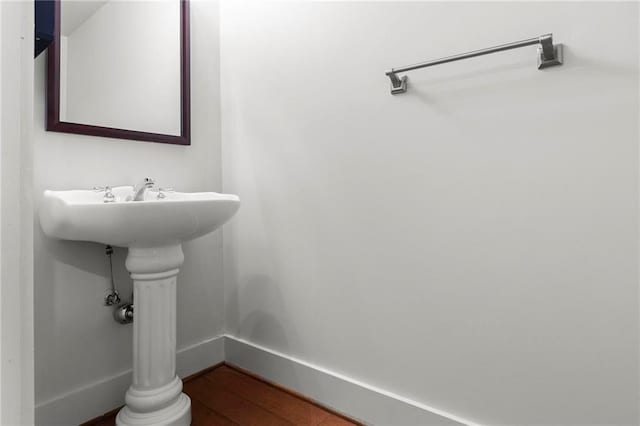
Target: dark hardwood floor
x,y
225,395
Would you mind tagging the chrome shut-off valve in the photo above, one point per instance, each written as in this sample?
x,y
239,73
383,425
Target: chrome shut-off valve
x,y
124,313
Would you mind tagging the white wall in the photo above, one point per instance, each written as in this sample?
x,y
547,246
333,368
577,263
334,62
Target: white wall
x,y
77,342
16,213
2,300
471,244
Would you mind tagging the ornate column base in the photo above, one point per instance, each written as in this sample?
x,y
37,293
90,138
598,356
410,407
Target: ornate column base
x,y
176,414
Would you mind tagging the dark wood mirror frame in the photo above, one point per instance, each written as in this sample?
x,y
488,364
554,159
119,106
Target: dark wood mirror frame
x,y
53,93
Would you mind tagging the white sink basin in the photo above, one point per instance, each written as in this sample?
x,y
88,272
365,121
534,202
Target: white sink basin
x,y
153,230
83,215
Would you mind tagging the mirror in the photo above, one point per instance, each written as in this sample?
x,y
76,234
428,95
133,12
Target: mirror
x,y
120,69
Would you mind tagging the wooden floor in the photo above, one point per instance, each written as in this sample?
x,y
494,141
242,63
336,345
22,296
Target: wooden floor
x,y
228,396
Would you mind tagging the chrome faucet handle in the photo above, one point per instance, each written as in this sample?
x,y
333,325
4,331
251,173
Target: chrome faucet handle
x,y
162,192
108,194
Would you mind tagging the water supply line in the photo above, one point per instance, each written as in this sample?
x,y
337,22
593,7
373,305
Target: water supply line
x,y
123,313
112,298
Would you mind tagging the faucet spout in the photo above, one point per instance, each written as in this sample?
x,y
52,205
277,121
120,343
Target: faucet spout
x,y
141,188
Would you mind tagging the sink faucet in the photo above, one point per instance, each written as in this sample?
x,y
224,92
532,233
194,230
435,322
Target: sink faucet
x,y
140,189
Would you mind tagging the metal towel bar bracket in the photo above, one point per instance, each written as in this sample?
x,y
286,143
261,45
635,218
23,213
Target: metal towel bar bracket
x,y
549,55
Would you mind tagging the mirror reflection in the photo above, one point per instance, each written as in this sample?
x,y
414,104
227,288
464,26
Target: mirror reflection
x,y
120,64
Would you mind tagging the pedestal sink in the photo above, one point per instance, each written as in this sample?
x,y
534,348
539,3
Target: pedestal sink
x,y
153,230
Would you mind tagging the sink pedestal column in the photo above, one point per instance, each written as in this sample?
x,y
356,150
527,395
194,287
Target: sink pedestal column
x,y
155,396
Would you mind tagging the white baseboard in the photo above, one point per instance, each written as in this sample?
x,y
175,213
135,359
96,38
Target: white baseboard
x,y
93,400
355,399
346,395
202,355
